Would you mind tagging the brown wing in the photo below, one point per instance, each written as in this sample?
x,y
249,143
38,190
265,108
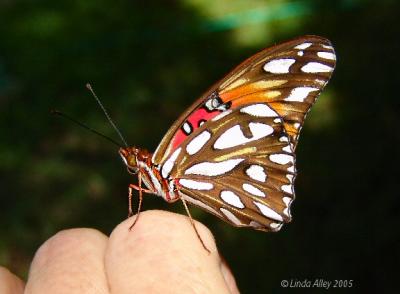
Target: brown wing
x,y
288,77
239,166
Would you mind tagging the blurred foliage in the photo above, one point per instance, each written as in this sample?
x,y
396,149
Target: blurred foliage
x,y
148,62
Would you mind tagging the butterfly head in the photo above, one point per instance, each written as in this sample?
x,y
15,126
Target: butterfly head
x,y
133,157
130,158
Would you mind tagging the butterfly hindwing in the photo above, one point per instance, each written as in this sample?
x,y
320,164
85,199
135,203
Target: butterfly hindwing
x,y
240,167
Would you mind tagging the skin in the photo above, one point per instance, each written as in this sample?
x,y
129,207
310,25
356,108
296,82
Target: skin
x,y
160,255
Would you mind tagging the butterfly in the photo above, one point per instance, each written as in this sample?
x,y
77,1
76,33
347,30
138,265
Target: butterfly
x,y
232,152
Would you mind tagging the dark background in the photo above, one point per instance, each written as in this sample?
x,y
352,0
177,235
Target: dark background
x,y
148,63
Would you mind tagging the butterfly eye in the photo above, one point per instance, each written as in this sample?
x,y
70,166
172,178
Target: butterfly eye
x,y
132,164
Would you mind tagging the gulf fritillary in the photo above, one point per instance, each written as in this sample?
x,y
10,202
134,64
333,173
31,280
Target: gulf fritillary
x,y
232,152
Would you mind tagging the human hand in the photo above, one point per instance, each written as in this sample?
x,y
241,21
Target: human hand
x,y
161,254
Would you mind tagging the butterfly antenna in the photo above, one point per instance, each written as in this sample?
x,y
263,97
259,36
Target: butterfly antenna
x,y
89,87
56,112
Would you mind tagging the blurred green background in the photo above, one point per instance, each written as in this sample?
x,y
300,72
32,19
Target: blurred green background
x,y
148,62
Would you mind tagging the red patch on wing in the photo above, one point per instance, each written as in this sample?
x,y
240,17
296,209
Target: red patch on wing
x,y
194,119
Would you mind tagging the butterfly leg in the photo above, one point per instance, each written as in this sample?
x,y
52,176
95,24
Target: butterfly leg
x,y
139,188
130,189
193,224
130,213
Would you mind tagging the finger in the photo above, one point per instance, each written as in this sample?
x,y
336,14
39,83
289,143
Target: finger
x,y
228,277
70,262
162,254
10,283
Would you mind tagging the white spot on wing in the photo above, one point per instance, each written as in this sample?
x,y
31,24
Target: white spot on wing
x,y
221,115
199,203
286,212
230,216
289,177
260,130
287,149
169,164
232,199
287,201
327,55
287,189
213,168
303,46
281,158
234,136
187,128
198,142
257,173
279,66
327,47
300,93
195,185
268,212
259,110
253,190
276,226
300,53
283,139
316,67
291,169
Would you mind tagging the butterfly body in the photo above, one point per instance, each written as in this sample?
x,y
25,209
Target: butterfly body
x,y
139,161
232,152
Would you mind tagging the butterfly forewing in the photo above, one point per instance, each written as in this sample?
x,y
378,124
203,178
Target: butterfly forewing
x,y
289,77
232,151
